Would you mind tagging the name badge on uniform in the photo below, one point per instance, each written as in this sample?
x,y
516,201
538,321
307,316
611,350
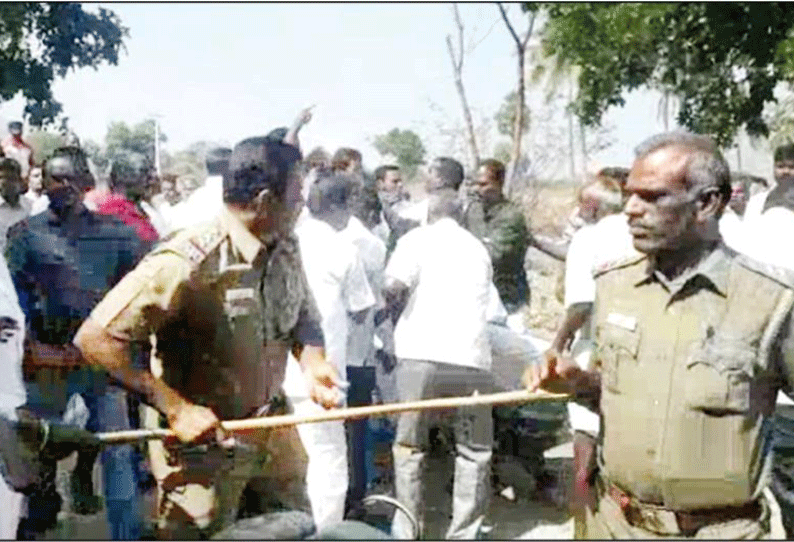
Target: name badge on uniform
x,y
239,301
620,320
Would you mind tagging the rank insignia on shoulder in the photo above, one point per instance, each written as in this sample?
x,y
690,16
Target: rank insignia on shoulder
x,y
198,245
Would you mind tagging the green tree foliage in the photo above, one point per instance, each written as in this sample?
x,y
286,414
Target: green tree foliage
x,y
40,42
506,116
121,139
43,143
721,60
405,146
138,138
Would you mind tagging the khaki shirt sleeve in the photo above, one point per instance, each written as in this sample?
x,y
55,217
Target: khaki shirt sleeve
x,y
786,357
137,306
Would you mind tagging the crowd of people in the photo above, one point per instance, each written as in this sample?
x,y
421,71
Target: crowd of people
x,y
291,283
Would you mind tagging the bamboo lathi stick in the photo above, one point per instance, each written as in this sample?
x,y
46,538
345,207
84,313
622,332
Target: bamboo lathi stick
x,y
502,398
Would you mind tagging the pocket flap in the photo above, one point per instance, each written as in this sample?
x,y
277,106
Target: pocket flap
x,y
726,355
620,339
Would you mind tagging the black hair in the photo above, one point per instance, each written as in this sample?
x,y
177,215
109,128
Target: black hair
x,y
366,202
784,153
278,134
450,171
11,167
344,157
131,169
328,189
496,168
256,164
381,171
218,160
77,170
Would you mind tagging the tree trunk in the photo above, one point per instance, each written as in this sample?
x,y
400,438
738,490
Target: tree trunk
x,y
571,149
457,68
518,131
471,140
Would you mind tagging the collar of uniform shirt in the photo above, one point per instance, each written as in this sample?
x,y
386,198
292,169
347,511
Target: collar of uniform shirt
x,y
242,239
714,268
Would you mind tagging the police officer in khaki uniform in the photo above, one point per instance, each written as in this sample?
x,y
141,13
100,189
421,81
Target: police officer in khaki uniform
x,y
226,300
692,343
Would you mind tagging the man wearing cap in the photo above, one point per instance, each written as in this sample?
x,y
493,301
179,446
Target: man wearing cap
x,y
226,301
17,148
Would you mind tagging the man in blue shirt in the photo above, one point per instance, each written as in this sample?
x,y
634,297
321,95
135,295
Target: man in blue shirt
x,y
62,262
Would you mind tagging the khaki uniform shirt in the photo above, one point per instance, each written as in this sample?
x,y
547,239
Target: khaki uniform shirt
x,y
690,370
224,311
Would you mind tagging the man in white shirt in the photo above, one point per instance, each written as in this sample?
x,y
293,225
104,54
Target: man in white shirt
x,y
768,225
13,207
338,282
361,362
39,201
443,275
12,389
17,148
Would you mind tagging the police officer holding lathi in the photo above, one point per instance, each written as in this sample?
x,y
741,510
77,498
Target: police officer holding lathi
x,y
693,342
226,300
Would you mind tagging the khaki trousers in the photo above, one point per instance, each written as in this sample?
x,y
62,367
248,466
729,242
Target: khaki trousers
x,y
199,489
607,521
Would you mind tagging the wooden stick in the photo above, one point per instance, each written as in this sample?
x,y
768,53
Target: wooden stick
x,y
503,398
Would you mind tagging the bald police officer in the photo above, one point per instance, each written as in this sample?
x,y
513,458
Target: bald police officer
x,y
226,300
693,342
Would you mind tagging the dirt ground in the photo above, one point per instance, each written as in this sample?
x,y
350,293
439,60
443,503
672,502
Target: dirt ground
x,y
547,216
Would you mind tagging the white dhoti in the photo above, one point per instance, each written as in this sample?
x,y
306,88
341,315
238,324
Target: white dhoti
x,y
326,447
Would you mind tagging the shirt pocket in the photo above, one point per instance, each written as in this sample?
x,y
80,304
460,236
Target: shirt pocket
x,y
618,350
719,375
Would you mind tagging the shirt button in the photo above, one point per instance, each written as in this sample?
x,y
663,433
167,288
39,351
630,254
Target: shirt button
x,y
651,452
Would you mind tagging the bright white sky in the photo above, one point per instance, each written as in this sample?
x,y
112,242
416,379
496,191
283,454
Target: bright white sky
x,y
222,72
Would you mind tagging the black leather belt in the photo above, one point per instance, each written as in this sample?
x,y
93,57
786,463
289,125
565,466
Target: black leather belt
x,y
689,521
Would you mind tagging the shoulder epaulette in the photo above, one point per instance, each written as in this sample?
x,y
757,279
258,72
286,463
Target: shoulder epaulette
x,y
194,243
617,263
777,273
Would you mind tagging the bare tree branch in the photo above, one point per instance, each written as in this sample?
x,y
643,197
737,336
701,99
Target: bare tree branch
x,y
518,129
457,66
474,45
459,23
529,32
507,23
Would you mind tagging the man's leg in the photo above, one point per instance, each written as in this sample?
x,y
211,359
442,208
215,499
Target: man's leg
x,y
326,473
90,384
783,466
474,448
10,511
362,384
410,445
119,466
584,494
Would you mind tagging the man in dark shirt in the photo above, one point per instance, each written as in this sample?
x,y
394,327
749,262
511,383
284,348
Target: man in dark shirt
x,y
502,229
62,262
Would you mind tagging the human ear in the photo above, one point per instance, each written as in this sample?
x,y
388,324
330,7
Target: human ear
x,y
710,201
